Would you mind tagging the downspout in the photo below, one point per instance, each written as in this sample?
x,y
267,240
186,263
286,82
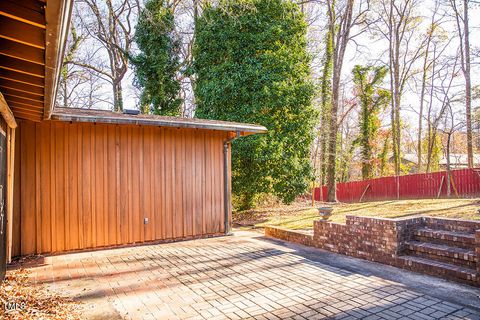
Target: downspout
x,y
226,186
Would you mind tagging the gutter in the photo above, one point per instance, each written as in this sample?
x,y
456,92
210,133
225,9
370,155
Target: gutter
x,y
160,121
58,15
226,186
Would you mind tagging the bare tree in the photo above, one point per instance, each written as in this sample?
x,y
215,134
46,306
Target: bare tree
x,y
436,68
111,25
325,102
449,129
432,35
70,78
345,21
462,22
442,93
78,87
399,24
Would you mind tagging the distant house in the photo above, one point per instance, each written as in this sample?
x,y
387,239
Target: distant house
x,y
409,160
459,161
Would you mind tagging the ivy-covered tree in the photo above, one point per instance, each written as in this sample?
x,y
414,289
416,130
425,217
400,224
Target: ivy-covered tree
x,y
252,65
371,98
383,155
157,65
325,104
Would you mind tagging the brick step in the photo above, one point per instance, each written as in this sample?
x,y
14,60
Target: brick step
x,y
443,253
455,225
438,269
451,238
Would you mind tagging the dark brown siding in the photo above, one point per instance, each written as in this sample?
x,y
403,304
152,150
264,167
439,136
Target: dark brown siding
x,y
82,185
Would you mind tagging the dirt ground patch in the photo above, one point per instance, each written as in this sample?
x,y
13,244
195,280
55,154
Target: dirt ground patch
x,y
300,214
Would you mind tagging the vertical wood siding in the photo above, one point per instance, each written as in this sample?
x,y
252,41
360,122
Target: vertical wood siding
x,y
83,185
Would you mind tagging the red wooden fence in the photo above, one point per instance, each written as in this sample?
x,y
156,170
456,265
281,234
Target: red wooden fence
x,y
413,186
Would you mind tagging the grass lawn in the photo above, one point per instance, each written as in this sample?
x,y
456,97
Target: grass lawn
x,y
300,215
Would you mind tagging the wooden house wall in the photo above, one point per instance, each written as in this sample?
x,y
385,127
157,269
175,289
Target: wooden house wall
x,y
85,185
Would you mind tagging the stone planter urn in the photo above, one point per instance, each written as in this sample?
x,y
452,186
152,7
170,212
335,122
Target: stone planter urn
x,y
325,212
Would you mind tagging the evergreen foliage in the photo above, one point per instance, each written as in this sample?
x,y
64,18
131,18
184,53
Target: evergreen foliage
x,y
157,64
252,66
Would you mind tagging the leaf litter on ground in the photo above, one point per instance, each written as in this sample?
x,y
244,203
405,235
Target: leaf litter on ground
x,y
26,300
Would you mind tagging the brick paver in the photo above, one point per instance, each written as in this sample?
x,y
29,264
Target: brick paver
x,y
231,278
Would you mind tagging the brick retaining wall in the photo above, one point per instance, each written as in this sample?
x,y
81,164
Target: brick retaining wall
x,y
477,241
374,239
383,240
290,235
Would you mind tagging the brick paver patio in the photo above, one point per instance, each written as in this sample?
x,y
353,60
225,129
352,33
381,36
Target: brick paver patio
x,y
230,278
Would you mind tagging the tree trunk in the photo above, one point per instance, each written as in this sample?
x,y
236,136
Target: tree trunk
x,y
431,145
195,12
395,123
395,118
332,140
117,96
341,33
326,98
448,165
65,88
468,85
422,102
396,33
367,169
397,128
